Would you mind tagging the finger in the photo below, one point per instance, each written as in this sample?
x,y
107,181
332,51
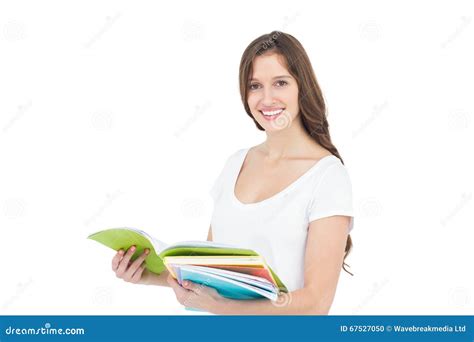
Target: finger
x,y
181,293
173,283
126,258
189,285
116,259
137,263
138,274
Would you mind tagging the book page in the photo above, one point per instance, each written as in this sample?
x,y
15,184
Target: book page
x,y
158,245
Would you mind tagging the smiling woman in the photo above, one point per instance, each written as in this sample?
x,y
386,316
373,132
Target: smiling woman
x,y
288,198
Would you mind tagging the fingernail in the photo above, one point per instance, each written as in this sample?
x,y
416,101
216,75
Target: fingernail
x,y
147,251
132,248
185,283
120,251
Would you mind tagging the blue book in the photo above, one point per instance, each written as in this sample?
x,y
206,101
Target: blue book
x,y
226,287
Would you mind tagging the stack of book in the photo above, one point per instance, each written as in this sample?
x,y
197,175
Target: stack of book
x,y
236,273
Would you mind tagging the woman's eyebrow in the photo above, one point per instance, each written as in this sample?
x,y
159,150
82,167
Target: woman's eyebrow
x,y
282,76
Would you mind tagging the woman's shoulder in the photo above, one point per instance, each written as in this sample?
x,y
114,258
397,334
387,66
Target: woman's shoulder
x,y
328,167
234,157
238,153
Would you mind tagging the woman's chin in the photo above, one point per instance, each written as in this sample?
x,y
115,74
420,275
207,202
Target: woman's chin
x,y
283,121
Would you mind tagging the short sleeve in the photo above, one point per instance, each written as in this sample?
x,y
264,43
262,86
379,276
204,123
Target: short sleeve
x,y
333,195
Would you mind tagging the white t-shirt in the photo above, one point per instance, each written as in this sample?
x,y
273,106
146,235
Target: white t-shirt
x,y
277,227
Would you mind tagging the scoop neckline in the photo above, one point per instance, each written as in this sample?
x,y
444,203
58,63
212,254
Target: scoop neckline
x,y
278,194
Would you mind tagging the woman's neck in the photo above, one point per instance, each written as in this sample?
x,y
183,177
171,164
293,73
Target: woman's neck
x,y
289,142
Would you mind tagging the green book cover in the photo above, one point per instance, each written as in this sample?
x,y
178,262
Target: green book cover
x,y
124,238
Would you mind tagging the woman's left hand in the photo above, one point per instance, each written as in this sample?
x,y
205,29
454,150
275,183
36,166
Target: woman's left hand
x,y
197,296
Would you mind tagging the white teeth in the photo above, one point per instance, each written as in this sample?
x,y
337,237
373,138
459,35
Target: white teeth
x,y
275,112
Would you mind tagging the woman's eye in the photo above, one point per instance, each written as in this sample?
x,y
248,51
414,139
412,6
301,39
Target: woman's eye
x,y
281,83
254,86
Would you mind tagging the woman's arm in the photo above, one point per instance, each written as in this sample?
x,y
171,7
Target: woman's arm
x,y
209,234
323,261
149,278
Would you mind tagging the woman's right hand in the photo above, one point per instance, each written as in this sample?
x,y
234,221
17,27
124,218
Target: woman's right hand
x,y
129,271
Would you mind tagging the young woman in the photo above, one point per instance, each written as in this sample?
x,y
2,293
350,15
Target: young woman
x,y
289,198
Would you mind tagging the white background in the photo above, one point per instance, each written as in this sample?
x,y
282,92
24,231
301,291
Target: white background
x,y
118,113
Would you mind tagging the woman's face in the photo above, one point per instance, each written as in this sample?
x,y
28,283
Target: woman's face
x,y
273,93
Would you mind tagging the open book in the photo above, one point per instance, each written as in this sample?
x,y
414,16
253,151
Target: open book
x,y
235,273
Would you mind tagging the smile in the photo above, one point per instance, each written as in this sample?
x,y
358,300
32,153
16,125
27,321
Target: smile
x,y
272,112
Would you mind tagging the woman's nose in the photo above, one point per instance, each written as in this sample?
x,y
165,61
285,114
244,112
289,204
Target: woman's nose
x,y
267,99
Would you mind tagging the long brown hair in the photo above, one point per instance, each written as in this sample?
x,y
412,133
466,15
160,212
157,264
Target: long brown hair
x,y
310,98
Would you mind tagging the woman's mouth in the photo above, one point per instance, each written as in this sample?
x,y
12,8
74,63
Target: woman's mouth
x,y
271,114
